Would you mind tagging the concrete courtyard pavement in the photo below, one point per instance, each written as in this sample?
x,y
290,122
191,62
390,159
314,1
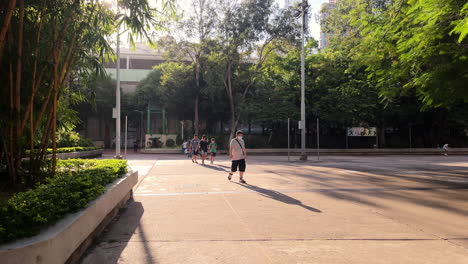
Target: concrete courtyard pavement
x,y
391,209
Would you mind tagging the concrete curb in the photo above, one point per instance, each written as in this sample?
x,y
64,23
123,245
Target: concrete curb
x,y
161,151
295,152
62,242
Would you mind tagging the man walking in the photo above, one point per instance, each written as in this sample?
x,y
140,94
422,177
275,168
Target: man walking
x,y
194,148
446,149
203,148
238,154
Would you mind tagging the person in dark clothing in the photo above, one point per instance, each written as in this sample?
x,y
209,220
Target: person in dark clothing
x,y
135,146
194,148
203,148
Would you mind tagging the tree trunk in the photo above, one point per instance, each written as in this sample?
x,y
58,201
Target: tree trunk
x,y
196,121
196,118
232,109
54,111
6,25
381,136
19,68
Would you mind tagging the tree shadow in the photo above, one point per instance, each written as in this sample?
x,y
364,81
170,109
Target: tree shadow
x,y
275,195
394,184
114,239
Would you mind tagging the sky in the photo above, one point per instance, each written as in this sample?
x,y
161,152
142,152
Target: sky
x,y
314,26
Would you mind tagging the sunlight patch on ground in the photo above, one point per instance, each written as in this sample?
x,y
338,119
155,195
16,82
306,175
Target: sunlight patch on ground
x,y
453,164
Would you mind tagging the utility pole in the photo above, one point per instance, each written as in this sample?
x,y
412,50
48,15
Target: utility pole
x,y
302,11
126,130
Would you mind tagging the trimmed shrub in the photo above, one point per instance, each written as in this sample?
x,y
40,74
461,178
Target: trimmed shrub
x,y
179,140
76,183
85,142
67,139
67,150
170,143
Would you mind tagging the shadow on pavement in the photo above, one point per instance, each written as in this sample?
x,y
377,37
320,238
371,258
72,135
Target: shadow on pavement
x,y
215,167
275,195
113,241
393,181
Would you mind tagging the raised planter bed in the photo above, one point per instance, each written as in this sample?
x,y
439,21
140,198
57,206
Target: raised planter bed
x,y
66,240
80,154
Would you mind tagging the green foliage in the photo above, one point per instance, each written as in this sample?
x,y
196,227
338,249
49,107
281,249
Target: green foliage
x,y
67,150
257,142
72,139
461,25
170,143
76,183
170,86
405,47
179,140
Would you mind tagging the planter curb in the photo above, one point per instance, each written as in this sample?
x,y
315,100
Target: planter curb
x,y
66,240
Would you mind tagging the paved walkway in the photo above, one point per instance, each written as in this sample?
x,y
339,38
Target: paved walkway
x,y
395,209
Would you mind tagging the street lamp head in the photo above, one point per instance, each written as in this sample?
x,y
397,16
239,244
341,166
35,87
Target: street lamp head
x,y
304,5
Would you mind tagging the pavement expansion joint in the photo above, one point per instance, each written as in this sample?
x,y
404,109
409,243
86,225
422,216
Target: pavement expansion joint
x,y
144,176
319,190
286,239
251,234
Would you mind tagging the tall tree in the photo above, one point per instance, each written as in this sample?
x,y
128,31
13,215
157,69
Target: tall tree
x,y
249,33
195,31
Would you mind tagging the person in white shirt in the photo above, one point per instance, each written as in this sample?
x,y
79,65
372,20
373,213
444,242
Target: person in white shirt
x,y
184,147
446,148
238,154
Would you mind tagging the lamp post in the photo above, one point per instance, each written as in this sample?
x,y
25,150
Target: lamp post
x,y
302,11
182,131
117,94
116,110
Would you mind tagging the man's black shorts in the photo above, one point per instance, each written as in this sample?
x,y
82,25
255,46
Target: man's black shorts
x,y
195,153
213,154
238,163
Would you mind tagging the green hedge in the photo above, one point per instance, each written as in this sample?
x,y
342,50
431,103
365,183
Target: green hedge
x,y
76,183
170,143
67,150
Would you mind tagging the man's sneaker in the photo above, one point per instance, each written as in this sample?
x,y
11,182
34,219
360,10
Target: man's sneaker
x,y
242,181
229,176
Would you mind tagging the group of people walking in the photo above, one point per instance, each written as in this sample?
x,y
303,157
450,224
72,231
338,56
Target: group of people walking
x,y
237,152
201,147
